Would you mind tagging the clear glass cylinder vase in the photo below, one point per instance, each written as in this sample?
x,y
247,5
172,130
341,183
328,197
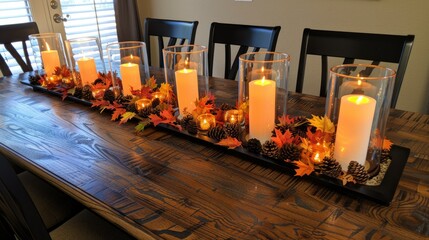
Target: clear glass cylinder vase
x,y
358,103
186,70
48,50
263,87
85,59
129,65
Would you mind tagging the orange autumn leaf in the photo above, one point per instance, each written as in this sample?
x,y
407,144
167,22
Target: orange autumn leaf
x,y
387,144
117,113
282,138
229,142
303,169
286,120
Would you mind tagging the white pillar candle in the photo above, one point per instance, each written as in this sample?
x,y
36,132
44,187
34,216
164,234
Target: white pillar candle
x,y
353,129
130,74
87,69
262,102
187,89
51,60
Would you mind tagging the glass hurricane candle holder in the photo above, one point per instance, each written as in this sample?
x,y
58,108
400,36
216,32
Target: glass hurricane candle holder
x,y
185,68
48,52
234,116
358,103
263,86
129,61
85,59
206,121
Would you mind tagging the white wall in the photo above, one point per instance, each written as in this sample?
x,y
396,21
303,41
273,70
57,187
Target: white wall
x,y
378,16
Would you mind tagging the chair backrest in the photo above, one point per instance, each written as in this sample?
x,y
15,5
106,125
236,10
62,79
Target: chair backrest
x,y
178,33
350,46
16,33
17,210
244,36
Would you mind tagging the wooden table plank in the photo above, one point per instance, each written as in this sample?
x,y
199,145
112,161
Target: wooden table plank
x,y
162,185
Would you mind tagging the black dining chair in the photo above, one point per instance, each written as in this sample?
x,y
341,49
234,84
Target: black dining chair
x,y
351,46
243,36
174,31
26,202
16,33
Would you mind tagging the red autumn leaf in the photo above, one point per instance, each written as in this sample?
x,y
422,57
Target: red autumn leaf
x,y
303,169
229,142
280,139
117,113
286,120
100,103
155,119
64,93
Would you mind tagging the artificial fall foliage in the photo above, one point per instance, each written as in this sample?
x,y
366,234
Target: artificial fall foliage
x,y
314,141
229,142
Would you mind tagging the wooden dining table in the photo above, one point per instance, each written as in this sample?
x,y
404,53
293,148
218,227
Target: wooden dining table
x,y
158,184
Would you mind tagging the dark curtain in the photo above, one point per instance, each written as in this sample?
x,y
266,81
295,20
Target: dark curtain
x,y
127,21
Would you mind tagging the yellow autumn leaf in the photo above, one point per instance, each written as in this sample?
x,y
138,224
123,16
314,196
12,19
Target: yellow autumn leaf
x,y
323,124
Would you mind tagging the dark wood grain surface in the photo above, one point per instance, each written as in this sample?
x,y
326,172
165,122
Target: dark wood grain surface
x,y
162,185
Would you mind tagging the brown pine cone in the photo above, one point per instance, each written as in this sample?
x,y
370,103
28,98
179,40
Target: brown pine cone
x,y
184,122
358,172
385,155
290,152
254,145
217,133
330,167
233,130
270,149
192,127
87,93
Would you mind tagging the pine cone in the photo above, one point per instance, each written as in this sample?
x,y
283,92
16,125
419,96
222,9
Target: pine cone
x,y
358,172
124,99
192,127
145,112
254,145
155,102
290,152
131,108
98,80
385,155
109,95
78,92
185,121
87,93
34,79
218,133
270,149
233,130
330,167
282,128
225,107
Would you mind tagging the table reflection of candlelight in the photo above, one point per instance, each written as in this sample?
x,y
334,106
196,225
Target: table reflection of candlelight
x,y
262,102
130,74
206,121
354,129
233,116
142,103
50,59
87,69
187,89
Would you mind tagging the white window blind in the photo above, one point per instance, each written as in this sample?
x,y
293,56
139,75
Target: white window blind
x,y
90,18
12,12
